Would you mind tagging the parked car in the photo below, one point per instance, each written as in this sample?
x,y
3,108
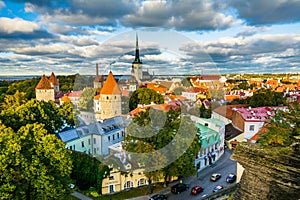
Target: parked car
x,y
231,178
159,197
218,188
178,188
196,190
215,176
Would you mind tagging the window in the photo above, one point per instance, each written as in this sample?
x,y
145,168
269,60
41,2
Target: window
x,y
107,97
94,140
95,151
128,184
111,178
113,137
82,144
108,138
111,188
89,141
70,147
251,128
142,181
118,134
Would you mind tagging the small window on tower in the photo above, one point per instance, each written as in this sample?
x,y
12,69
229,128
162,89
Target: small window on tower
x,y
107,97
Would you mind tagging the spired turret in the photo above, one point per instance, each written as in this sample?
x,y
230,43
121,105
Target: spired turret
x,y
136,69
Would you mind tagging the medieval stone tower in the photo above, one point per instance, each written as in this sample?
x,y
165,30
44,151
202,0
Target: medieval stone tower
x,y
136,69
54,82
110,99
44,91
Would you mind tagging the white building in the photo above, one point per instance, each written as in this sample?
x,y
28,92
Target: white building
x,y
96,137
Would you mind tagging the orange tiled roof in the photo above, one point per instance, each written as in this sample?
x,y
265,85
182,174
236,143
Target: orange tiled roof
x,y
53,79
65,99
97,97
44,83
110,86
256,136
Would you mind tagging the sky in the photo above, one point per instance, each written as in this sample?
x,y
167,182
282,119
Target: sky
x,y
175,37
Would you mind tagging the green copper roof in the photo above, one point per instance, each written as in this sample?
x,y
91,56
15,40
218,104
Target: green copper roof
x,y
208,136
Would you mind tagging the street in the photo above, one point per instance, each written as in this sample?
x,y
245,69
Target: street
x,y
224,166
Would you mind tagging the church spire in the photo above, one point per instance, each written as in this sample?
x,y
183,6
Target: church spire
x,y
137,51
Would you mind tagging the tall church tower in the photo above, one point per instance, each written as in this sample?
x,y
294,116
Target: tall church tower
x,y
110,99
136,69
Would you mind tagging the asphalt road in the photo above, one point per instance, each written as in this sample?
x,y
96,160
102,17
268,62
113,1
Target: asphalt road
x,y
223,166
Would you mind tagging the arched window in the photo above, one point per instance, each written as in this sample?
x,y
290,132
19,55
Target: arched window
x,y
128,184
142,181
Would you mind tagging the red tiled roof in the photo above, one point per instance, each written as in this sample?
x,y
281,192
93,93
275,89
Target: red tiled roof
x,y
110,86
210,77
53,79
75,94
44,83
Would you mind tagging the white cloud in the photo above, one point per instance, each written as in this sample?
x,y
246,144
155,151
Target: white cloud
x,y
8,25
2,4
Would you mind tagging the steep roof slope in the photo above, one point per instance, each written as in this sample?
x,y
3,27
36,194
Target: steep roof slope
x,y
110,86
44,83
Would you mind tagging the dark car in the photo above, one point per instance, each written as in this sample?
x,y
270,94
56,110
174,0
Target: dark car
x,y
215,176
196,190
159,197
180,187
231,178
218,188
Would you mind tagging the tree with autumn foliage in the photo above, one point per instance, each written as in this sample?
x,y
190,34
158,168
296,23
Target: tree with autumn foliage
x,y
284,128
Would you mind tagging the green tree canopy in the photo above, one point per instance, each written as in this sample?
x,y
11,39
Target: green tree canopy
x,y
144,96
170,138
266,97
33,164
19,113
86,99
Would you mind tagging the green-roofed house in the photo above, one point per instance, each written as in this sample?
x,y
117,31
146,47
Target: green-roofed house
x,y
212,133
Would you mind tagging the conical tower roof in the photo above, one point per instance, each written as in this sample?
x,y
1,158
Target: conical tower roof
x,y
110,86
44,83
53,79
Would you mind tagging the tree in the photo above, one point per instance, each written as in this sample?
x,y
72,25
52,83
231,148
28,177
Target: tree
x,y
88,171
165,144
144,96
266,97
18,113
13,101
86,99
244,85
33,165
284,128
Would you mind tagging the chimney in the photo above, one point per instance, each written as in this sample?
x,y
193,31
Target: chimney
x,y
97,69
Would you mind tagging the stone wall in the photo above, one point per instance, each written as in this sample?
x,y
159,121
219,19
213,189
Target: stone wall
x,y
270,172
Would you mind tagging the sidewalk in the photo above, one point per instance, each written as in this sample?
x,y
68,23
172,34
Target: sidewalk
x,y
80,196
204,172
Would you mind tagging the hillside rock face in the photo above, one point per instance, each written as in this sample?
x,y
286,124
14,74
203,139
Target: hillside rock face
x,y
270,173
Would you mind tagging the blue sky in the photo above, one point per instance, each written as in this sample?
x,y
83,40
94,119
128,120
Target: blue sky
x,y
175,37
